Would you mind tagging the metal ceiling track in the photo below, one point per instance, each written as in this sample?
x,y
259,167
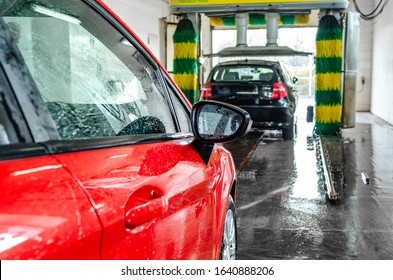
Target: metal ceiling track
x,y
271,8
258,51
271,48
239,6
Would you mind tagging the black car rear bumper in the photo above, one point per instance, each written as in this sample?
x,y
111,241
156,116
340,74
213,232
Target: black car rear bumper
x,y
271,117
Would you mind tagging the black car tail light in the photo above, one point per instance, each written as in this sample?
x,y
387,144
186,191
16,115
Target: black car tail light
x,y
207,91
279,91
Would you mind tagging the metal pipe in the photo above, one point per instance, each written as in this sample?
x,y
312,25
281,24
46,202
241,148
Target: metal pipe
x,y
241,25
351,57
271,29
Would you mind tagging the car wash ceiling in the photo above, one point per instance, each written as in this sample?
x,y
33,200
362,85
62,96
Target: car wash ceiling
x,y
236,6
271,9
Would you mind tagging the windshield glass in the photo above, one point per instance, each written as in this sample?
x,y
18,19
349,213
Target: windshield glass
x,y
91,77
243,73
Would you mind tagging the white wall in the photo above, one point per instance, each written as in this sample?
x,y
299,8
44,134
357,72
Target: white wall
x,y
143,17
376,61
382,73
363,94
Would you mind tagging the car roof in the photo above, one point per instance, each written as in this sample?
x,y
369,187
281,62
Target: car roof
x,y
248,62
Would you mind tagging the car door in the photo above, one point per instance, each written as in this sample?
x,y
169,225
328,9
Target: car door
x,y
44,214
119,137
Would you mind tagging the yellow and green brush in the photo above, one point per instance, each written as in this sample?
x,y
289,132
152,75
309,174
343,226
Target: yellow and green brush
x,y
328,61
185,64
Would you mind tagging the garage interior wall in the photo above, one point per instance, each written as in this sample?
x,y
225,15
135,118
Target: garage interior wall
x,y
375,94
143,16
363,94
382,66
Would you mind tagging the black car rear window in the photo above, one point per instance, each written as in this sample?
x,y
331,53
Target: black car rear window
x,y
243,73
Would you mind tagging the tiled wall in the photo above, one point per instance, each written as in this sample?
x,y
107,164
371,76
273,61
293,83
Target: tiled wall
x,y
363,95
376,62
382,67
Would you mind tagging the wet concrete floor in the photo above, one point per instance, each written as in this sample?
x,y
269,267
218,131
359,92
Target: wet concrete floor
x,y
282,209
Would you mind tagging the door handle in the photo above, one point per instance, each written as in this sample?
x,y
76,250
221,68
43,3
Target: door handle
x,y
143,207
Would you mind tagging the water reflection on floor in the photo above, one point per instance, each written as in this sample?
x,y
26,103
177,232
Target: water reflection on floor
x,y
282,211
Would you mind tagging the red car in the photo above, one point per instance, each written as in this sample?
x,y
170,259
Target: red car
x,y
101,155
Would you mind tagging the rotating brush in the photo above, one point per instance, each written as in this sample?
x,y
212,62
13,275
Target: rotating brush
x,y
185,64
328,102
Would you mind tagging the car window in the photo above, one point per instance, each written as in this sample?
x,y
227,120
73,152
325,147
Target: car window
x,y
94,82
183,114
13,128
7,131
285,73
243,73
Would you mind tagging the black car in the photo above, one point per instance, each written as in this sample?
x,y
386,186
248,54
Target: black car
x,y
263,88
